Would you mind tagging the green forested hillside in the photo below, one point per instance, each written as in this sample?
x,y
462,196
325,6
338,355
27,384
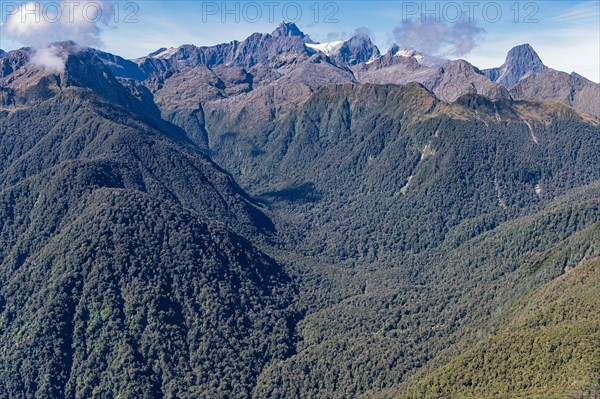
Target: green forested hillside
x,y
121,275
392,322
376,171
390,244
76,124
547,347
138,298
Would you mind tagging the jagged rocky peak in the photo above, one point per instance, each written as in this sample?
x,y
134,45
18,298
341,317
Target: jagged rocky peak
x,y
358,49
521,61
287,29
290,29
523,53
393,50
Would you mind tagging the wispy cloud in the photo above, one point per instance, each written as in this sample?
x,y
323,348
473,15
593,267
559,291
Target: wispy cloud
x,y
439,37
583,13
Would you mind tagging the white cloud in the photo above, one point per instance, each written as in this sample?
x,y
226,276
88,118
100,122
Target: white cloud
x,y
49,58
39,25
439,37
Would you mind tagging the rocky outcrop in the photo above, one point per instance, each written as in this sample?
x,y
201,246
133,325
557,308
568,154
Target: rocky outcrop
x,y
522,61
572,89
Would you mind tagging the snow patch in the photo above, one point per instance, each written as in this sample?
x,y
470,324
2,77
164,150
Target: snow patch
x,y
327,48
373,59
422,59
168,53
404,52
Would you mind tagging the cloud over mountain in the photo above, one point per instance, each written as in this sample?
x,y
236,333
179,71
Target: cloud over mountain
x,y
439,37
39,25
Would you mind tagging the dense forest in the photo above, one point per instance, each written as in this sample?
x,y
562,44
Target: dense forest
x,y
371,242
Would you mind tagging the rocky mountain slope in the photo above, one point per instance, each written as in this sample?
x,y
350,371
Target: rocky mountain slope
x,y
356,50
522,61
527,78
263,59
447,81
571,89
262,78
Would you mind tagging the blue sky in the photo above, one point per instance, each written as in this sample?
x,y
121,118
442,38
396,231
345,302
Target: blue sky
x,y
566,34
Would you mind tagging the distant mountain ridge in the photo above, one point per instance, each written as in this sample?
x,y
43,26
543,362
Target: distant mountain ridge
x,y
356,50
527,78
266,58
263,77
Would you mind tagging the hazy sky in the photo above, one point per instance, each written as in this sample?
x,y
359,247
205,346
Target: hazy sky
x,y
566,34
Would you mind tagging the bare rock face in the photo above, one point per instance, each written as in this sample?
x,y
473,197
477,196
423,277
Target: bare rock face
x,y
256,109
448,81
522,61
289,29
572,89
255,81
189,88
188,76
458,78
119,66
527,78
356,50
285,45
288,61
246,83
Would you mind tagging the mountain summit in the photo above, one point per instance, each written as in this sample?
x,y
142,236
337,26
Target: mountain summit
x,y
356,50
521,62
288,29
527,78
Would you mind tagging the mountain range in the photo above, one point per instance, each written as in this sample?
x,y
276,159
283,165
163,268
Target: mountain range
x,y
287,53
280,218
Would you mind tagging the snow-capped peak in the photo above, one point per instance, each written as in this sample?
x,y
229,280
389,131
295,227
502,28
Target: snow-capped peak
x,y
329,48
